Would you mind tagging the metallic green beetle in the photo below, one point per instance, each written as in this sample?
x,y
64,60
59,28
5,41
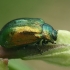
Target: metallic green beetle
x,y
24,31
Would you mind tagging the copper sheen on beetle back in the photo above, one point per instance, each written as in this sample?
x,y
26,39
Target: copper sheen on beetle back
x,y
25,31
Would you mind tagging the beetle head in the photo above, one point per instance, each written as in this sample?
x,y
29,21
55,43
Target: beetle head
x,y
49,33
54,34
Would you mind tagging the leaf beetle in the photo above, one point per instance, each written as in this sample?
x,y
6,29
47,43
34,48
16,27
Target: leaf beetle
x,y
25,31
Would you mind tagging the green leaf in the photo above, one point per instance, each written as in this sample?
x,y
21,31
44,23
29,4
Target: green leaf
x,y
63,37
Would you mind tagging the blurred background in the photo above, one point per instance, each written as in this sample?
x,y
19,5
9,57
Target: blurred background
x,y
54,12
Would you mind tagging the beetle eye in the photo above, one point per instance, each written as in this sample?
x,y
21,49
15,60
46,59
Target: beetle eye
x,y
54,35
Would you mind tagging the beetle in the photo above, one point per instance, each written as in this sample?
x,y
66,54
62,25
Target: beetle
x,y
25,31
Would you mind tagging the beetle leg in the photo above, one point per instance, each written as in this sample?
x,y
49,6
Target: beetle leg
x,y
44,42
40,50
38,47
